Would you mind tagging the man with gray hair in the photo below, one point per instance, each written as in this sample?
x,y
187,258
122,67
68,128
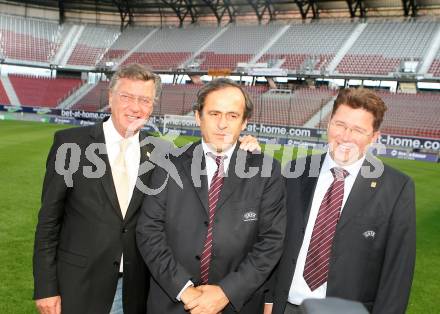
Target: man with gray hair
x,y
85,254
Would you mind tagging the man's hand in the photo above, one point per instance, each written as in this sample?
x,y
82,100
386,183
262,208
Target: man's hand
x,y
190,294
249,143
50,305
212,301
268,308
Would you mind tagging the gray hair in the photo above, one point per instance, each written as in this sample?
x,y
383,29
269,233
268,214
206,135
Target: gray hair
x,y
139,72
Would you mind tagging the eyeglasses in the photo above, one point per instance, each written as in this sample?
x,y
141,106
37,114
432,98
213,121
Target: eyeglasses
x,y
131,99
355,131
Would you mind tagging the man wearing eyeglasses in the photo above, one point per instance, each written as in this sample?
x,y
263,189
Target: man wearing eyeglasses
x,y
85,255
351,219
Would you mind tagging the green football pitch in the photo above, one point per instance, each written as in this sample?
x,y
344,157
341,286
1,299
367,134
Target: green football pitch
x,y
23,150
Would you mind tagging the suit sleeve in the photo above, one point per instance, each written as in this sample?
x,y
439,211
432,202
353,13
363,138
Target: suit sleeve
x,y
255,269
273,278
48,228
152,241
269,286
398,265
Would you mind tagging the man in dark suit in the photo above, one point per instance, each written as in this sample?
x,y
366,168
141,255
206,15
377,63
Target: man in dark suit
x,y
85,256
351,219
212,241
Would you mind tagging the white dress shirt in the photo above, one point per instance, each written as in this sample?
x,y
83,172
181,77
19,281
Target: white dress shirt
x,y
299,290
132,156
211,168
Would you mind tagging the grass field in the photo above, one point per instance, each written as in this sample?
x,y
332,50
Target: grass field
x,y
23,150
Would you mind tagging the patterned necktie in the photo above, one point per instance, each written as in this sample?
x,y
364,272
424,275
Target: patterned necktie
x,y
318,255
120,177
213,196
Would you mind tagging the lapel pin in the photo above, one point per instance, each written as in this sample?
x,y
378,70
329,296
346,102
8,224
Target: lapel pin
x,y
373,184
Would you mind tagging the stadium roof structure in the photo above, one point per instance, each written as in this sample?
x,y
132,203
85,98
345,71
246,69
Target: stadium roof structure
x,y
225,11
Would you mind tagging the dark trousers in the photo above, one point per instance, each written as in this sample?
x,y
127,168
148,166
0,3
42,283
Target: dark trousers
x,y
292,309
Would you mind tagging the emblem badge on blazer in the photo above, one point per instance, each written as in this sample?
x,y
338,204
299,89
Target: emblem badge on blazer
x,y
369,234
250,216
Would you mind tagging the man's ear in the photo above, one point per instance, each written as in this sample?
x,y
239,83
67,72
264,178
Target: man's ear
x,y
376,135
244,125
110,98
197,116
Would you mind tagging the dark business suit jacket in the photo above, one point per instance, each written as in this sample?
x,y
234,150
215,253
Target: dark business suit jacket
x,y
373,251
248,232
81,234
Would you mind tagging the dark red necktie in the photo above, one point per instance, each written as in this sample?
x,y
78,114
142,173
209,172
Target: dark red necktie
x,y
213,196
318,255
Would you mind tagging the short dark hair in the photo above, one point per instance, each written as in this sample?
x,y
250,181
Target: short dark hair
x,y
362,98
139,72
218,84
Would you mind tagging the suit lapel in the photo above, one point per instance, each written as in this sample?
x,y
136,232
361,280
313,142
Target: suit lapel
x,y
195,152
361,193
137,197
231,181
308,184
308,187
97,135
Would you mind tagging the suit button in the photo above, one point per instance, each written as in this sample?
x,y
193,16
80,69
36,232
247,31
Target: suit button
x,y
116,264
206,223
124,230
197,257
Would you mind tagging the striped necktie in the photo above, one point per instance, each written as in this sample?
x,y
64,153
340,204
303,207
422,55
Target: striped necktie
x,y
318,255
213,196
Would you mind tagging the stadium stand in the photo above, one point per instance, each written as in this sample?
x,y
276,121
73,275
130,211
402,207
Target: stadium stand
x,y
385,44
412,114
176,99
42,92
92,45
236,44
379,50
168,48
315,42
291,109
30,40
4,99
127,41
95,100
435,66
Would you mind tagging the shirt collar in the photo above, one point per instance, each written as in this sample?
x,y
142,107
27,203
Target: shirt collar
x,y
112,136
352,169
